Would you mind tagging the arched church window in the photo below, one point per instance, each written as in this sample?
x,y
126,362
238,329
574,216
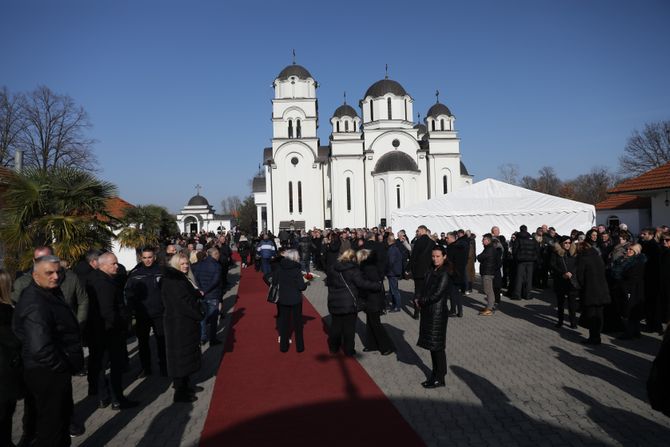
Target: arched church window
x,y
372,114
388,106
432,125
442,124
348,193
290,197
300,197
405,109
444,184
397,195
346,126
298,129
337,126
290,128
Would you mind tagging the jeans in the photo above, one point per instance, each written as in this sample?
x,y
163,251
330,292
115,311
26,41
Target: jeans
x,y
265,266
211,321
394,292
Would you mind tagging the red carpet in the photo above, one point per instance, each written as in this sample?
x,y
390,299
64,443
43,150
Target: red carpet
x,y
264,397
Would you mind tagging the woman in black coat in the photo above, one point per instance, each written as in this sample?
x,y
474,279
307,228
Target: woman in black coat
x,y
344,283
594,293
434,316
10,361
630,285
373,303
182,319
291,284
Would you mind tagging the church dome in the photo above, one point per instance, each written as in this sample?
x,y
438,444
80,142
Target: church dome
x,y
422,128
438,109
395,161
198,200
345,110
294,70
380,88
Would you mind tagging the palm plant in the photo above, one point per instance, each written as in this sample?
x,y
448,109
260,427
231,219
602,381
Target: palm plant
x,y
63,207
145,226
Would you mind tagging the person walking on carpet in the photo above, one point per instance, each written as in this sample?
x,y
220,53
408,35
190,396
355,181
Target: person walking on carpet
x,y
291,284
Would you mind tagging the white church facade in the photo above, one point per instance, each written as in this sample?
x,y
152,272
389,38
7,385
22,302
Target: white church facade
x,y
375,162
198,215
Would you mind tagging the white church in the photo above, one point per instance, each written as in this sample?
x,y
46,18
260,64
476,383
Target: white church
x,y
375,162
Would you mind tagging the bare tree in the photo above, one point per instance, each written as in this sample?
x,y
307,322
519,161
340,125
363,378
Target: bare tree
x,y
11,125
546,182
591,187
647,150
509,173
54,132
230,205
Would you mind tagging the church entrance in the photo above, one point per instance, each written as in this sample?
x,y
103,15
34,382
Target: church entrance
x,y
191,224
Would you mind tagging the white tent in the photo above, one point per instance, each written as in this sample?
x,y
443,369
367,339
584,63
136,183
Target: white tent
x,y
490,202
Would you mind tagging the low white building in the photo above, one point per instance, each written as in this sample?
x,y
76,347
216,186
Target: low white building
x,y
375,162
198,215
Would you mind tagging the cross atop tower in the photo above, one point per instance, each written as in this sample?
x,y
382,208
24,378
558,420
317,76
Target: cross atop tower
x,y
345,97
386,76
437,96
198,188
294,56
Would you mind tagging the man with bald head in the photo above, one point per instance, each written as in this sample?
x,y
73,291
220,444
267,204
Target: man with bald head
x,y
108,321
51,352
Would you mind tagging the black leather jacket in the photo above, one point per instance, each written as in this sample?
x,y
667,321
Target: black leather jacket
x,y
434,311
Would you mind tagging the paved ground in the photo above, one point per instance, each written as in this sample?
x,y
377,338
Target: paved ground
x,y
513,380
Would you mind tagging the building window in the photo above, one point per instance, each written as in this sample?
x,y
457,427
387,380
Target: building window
x,y
444,184
290,197
298,130
405,109
432,125
300,197
290,128
388,106
346,126
372,113
397,195
442,124
348,193
337,126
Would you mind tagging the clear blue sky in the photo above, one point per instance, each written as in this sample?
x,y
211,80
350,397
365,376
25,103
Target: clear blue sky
x,y
179,92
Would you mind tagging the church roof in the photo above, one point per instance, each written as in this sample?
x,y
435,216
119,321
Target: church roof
x,y
294,70
258,184
198,200
438,109
384,86
395,161
422,128
345,110
464,170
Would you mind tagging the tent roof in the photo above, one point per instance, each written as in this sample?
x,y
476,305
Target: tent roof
x,y
493,197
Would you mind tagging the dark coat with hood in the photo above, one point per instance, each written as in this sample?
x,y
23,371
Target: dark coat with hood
x,y
182,324
10,357
291,282
434,310
591,278
48,331
340,299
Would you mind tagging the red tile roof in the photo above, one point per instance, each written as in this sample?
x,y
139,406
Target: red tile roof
x,y
116,207
658,178
624,202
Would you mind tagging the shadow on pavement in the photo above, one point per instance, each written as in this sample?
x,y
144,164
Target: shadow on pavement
x,y
404,351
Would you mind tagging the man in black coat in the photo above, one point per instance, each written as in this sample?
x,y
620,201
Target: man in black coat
x,y
652,274
143,295
225,260
420,262
495,232
526,252
51,352
488,262
108,321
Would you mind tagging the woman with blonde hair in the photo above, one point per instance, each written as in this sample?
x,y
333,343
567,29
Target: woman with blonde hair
x,y
10,361
182,317
344,283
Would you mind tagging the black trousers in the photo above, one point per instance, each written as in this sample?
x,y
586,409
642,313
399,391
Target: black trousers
x,y
108,352
593,320
455,298
181,386
142,330
418,289
439,359
52,394
342,330
570,295
285,315
7,408
524,279
377,338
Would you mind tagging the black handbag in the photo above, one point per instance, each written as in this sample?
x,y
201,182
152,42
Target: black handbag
x,y
273,292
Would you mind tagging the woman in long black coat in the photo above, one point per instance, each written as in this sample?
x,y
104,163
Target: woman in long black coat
x,y
10,361
630,285
434,316
182,326
377,338
593,290
344,284
291,284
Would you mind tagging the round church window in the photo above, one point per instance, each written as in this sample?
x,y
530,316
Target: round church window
x,y
395,143
294,161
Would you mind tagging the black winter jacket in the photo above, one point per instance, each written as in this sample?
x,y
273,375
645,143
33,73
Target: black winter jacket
x,y
182,324
143,291
340,299
526,248
488,261
457,252
10,357
434,311
208,275
107,308
291,282
420,258
48,331
591,277
373,301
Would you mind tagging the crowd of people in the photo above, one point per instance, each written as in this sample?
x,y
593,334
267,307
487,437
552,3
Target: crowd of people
x,y
51,314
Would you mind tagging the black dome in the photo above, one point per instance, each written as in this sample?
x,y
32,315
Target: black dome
x,y
380,88
422,128
345,110
395,161
198,200
294,70
439,109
